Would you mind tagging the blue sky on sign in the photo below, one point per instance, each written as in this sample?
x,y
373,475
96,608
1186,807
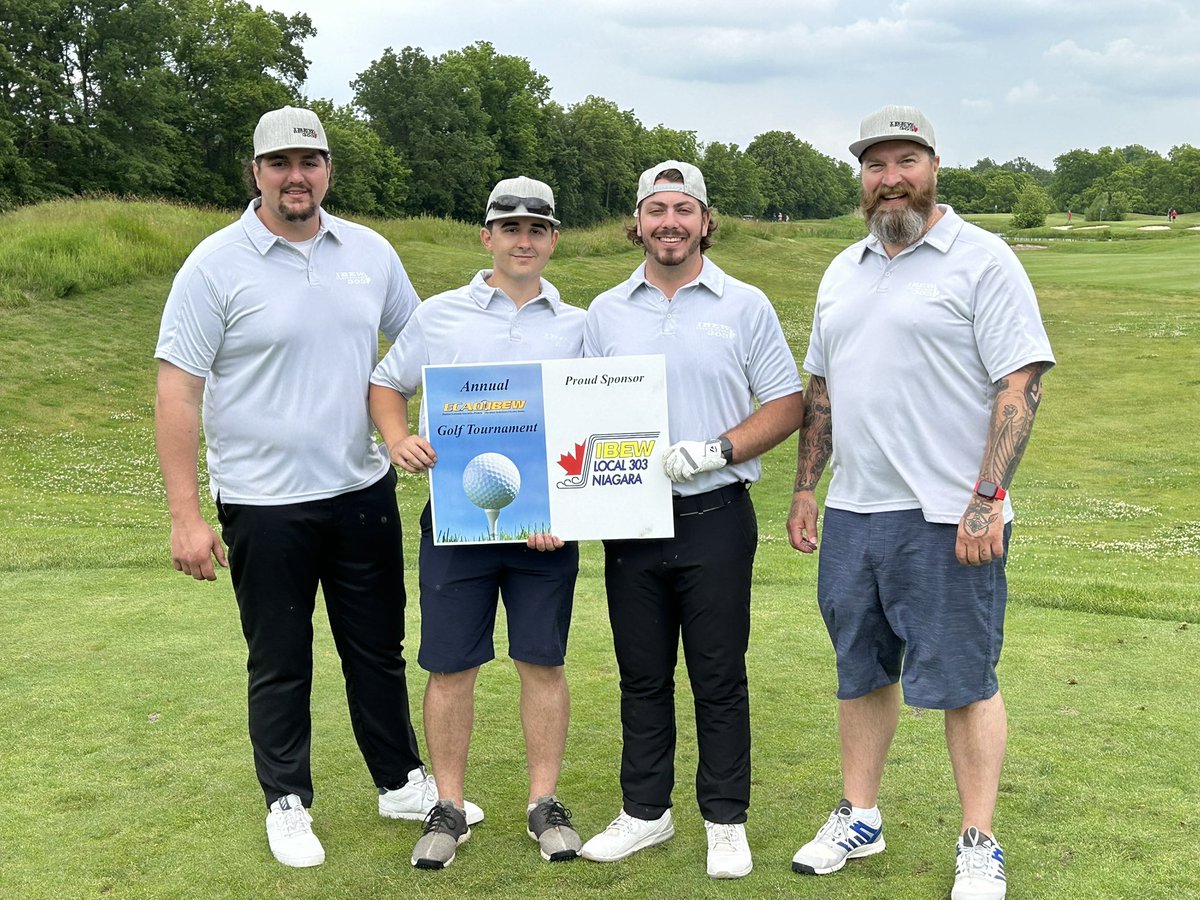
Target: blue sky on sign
x,y
1032,78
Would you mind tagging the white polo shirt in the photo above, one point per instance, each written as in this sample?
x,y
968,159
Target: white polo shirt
x,y
724,349
478,323
910,349
286,344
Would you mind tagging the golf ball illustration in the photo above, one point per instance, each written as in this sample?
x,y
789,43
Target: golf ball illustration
x,y
491,481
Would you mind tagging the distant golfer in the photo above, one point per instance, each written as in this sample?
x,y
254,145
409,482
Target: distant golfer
x,y
725,350
508,313
273,325
926,360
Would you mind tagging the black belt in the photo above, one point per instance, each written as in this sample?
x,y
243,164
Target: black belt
x,y
699,504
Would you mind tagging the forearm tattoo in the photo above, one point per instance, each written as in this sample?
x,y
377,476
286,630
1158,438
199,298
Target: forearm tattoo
x,y
816,438
1012,423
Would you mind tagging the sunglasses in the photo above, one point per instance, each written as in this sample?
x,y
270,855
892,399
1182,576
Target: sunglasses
x,y
533,205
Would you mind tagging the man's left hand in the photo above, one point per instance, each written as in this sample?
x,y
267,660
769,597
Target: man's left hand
x,y
980,537
686,459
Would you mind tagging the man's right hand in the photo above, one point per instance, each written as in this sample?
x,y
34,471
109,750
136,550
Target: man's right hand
x,y
413,453
193,548
802,521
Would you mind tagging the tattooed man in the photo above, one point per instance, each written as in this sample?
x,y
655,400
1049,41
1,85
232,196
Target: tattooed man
x,y
925,362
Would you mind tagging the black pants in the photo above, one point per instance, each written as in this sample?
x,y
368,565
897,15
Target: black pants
x,y
696,584
350,545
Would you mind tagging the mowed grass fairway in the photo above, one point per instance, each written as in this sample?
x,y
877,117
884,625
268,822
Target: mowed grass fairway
x,y
125,770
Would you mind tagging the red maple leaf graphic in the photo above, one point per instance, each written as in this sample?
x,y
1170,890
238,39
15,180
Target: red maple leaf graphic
x,y
572,463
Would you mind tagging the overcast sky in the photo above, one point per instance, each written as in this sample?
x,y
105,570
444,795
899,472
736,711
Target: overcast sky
x,y
1032,78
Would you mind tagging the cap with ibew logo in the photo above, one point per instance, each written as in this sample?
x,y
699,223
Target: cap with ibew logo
x,y
289,128
893,123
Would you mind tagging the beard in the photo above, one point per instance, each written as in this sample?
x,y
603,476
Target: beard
x,y
677,255
303,214
900,227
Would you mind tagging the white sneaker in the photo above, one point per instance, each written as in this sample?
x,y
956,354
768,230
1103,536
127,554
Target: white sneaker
x,y
626,835
978,868
728,851
414,800
290,835
842,837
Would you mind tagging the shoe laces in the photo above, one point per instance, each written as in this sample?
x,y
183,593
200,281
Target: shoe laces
x,y
625,824
979,860
439,819
294,821
557,815
837,828
727,838
428,789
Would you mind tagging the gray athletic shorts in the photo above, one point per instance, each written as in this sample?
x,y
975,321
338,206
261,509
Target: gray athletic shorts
x,y
900,607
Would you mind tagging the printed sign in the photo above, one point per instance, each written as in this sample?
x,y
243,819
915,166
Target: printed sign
x,y
573,447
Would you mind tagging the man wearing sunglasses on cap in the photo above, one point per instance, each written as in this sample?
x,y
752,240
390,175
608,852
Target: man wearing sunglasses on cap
x,y
725,350
508,313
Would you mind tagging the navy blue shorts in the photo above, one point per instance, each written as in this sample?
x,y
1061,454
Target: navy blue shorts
x,y
900,607
460,587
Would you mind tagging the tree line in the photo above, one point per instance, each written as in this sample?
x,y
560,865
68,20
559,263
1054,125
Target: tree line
x,y
158,98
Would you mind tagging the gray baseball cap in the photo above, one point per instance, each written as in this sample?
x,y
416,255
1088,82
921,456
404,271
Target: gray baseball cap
x,y
289,128
893,123
693,182
520,196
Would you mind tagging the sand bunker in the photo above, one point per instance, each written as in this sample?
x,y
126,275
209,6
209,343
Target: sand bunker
x,y
1154,228
1063,227
1027,246
1091,228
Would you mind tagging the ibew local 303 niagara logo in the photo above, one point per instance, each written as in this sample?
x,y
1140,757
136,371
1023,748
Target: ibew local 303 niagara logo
x,y
608,459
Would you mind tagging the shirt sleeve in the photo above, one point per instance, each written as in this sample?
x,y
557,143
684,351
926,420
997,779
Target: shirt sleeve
x,y
193,322
771,367
1008,324
401,301
401,367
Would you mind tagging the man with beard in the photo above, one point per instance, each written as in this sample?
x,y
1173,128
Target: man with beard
x,y
926,359
724,350
272,324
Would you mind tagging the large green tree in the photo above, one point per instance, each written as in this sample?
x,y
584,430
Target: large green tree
x,y
800,182
432,115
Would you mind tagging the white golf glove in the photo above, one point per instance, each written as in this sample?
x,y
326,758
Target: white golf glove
x,y
685,459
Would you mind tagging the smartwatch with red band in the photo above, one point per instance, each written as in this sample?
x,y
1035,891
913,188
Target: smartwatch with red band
x,y
989,490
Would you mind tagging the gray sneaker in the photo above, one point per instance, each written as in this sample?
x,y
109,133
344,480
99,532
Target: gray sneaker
x,y
550,826
445,828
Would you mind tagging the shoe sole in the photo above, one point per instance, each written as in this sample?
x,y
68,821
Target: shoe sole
x,y
299,862
652,841
730,873
857,853
474,814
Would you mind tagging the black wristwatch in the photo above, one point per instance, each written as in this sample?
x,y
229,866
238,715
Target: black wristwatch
x,y
989,490
726,448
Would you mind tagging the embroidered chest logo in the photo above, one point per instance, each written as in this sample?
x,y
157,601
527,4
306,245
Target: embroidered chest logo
x,y
717,330
354,277
922,288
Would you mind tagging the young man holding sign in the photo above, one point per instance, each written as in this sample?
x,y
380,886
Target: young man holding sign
x,y
508,313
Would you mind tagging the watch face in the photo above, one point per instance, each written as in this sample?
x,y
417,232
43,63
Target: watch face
x,y
987,489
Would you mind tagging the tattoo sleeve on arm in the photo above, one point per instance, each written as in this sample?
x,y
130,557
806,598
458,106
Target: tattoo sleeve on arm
x,y
816,437
1011,425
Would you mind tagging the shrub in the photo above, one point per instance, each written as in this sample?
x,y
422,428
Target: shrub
x,y
1031,208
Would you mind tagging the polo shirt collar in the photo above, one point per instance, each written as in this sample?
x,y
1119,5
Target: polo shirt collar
x,y
483,293
711,276
263,239
940,237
